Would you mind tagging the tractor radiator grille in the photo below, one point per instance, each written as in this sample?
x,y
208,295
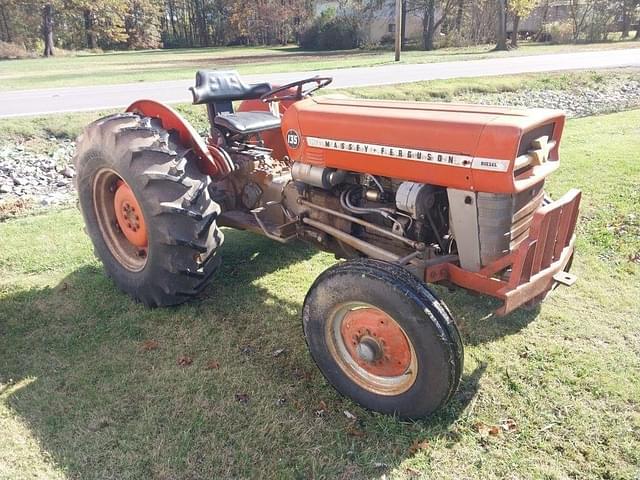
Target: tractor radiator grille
x,y
504,220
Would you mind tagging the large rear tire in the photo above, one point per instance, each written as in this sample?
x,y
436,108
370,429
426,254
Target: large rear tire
x,y
147,209
382,338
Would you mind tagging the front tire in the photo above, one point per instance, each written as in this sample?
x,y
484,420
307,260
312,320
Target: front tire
x,y
147,209
382,338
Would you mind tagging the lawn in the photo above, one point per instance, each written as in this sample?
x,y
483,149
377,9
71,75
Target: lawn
x,y
93,385
154,65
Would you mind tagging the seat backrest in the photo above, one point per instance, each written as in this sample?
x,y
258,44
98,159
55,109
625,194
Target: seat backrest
x,y
218,89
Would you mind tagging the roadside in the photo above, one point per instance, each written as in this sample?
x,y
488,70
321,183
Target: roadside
x,y
35,154
159,65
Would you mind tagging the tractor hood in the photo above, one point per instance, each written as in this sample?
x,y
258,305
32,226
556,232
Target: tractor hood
x,y
469,147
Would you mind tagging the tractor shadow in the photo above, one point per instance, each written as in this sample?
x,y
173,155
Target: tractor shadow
x,y
218,388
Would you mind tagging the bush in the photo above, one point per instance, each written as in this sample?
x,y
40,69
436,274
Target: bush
x,y
13,51
331,32
559,32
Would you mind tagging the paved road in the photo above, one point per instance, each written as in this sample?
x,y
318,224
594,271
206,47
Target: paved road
x,y
74,99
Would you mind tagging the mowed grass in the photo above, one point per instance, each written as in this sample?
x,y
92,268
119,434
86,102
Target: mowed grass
x,y
156,65
93,385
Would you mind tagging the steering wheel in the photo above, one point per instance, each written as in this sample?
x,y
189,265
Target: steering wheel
x,y
319,82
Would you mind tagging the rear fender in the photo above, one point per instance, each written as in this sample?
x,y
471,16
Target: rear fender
x,y
211,160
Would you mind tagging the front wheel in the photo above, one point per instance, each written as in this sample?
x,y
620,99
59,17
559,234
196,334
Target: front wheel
x,y
382,338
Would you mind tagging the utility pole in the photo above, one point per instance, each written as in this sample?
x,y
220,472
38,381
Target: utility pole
x,y
398,29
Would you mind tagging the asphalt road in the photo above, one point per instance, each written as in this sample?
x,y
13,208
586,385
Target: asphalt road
x,y
73,99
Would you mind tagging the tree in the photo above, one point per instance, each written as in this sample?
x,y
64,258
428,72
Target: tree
x,y
501,30
519,9
433,13
47,29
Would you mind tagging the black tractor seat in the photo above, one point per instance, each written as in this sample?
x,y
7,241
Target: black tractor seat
x,y
247,122
218,90
225,86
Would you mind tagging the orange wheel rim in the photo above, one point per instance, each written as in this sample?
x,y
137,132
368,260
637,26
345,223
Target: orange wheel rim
x,y
120,219
376,342
371,348
129,215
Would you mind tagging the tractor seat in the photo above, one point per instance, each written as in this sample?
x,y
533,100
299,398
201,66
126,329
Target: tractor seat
x,y
224,86
247,122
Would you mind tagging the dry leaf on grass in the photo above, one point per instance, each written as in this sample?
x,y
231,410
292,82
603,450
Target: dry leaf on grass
x,y
509,425
354,431
185,361
149,345
418,445
242,397
349,415
213,365
322,409
278,352
486,430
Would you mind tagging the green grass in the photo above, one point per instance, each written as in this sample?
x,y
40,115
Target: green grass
x,y
154,65
80,397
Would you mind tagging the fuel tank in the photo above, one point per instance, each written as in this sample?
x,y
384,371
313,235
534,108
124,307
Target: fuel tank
x,y
468,147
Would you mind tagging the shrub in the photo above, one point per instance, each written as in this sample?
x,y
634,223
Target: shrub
x,y
559,32
331,32
13,51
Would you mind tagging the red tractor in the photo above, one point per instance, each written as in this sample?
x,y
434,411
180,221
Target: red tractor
x,y
408,193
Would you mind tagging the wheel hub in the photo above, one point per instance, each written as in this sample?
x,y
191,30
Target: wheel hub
x,y
376,342
129,217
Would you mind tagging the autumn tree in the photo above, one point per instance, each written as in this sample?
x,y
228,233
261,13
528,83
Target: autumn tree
x,y
519,9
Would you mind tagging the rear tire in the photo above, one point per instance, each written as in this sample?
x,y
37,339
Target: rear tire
x,y
382,338
180,218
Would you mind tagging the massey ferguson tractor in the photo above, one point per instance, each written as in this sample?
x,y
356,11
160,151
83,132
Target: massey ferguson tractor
x,y
407,193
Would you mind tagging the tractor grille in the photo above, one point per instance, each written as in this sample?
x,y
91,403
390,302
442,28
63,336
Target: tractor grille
x,y
504,220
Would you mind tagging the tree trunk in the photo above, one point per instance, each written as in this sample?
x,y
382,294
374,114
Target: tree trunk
x,y
7,29
428,25
404,23
90,34
514,34
47,29
637,35
626,19
459,14
501,30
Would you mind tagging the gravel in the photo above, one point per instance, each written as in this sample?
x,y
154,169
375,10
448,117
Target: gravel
x,y
612,96
47,179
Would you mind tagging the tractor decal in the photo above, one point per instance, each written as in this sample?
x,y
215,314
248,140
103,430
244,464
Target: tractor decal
x,y
451,159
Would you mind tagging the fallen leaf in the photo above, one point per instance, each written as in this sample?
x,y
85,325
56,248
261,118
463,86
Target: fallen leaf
x,y
242,397
149,345
322,409
349,415
354,431
247,349
418,445
485,430
185,361
213,365
278,352
509,425
412,472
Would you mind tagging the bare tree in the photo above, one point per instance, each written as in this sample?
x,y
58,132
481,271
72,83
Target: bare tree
x,y
47,29
501,29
